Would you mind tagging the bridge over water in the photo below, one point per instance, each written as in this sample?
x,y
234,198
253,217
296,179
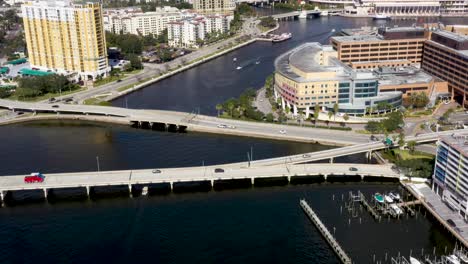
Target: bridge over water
x,y
179,121
208,174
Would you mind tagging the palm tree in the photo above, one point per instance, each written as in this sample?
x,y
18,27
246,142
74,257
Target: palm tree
x,y
401,140
230,106
335,110
219,107
330,114
316,114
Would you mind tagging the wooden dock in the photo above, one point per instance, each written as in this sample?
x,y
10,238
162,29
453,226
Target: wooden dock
x,y
368,207
325,233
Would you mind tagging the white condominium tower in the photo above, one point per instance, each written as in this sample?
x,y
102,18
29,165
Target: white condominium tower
x,y
66,37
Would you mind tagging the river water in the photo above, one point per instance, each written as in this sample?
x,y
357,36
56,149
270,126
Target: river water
x,y
204,86
253,225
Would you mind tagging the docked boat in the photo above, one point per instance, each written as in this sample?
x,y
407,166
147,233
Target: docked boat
x,y
388,199
235,59
282,37
144,191
379,198
380,17
395,196
257,62
414,261
333,30
395,210
303,14
452,259
238,68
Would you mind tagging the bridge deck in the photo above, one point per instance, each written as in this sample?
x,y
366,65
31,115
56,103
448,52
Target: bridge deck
x,y
189,174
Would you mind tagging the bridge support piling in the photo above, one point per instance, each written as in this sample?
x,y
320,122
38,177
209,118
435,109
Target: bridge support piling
x,y
252,180
289,179
362,177
172,186
45,193
325,176
212,183
2,198
130,190
331,160
88,191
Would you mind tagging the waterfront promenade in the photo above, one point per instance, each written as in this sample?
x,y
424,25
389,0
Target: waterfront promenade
x,y
434,204
190,174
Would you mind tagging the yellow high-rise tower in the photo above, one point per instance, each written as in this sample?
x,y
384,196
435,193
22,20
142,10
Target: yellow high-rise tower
x,y
66,37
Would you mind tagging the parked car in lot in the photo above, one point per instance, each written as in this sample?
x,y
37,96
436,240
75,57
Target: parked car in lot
x,y
35,177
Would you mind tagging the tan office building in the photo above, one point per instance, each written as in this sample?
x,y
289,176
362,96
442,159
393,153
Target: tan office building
x,y
446,56
392,47
64,37
214,6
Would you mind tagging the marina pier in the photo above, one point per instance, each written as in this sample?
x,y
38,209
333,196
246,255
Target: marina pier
x,y
325,233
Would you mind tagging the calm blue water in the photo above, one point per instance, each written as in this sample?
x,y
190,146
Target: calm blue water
x,y
253,225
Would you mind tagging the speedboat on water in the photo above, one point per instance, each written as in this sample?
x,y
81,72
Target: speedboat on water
x,y
414,261
238,68
379,198
388,199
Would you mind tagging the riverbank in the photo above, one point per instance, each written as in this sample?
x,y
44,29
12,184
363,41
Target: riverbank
x,y
187,67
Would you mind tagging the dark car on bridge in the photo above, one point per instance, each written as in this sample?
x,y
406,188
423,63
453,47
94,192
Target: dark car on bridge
x,y
218,170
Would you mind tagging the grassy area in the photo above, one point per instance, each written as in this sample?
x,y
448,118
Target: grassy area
x,y
96,101
110,79
44,96
406,155
264,29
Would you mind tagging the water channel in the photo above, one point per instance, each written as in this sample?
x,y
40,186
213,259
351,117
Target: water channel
x,y
253,225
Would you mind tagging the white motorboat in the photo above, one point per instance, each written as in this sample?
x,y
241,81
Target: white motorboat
x,y
333,30
380,17
144,191
395,210
414,261
303,14
395,196
235,59
238,68
388,199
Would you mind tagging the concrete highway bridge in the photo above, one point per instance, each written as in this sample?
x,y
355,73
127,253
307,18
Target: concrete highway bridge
x,y
311,13
178,121
350,150
212,175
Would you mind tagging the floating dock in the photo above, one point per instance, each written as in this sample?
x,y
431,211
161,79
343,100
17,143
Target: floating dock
x,y
326,234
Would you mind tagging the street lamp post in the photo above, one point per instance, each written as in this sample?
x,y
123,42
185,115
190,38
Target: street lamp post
x,y
97,162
